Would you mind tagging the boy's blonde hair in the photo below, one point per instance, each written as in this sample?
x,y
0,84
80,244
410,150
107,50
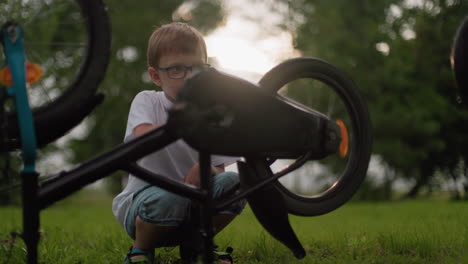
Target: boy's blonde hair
x,y
176,37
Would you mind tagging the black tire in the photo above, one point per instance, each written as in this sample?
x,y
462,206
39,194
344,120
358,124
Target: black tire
x,y
460,60
360,147
76,98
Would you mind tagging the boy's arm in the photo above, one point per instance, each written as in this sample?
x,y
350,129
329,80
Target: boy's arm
x,y
193,176
144,128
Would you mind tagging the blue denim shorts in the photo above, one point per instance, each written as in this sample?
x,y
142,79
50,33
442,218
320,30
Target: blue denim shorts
x,y
163,208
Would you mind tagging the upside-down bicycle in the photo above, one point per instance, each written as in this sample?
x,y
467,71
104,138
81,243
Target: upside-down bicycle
x,y
265,123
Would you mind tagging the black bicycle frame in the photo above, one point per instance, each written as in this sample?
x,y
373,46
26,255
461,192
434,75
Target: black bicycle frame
x,y
124,157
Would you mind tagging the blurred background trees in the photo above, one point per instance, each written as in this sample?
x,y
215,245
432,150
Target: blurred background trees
x,y
397,51
398,54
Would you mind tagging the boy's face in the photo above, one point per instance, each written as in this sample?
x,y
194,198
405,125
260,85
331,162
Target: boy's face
x,y
162,77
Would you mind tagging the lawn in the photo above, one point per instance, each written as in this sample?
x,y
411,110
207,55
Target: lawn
x,y
82,230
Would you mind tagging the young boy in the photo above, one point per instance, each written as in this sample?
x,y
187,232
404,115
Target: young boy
x,y
150,215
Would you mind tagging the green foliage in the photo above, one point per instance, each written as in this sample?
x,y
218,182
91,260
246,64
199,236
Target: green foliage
x,y
398,55
370,191
205,15
10,165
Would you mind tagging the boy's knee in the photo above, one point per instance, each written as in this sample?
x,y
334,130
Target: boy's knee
x,y
227,179
167,210
172,203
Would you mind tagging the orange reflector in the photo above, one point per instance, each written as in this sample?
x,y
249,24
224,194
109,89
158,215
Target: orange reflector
x,y
343,150
5,77
33,74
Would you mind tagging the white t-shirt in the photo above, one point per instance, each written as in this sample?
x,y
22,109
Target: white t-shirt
x,y
173,161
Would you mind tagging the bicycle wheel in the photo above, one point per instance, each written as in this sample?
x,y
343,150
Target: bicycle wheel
x,y
70,40
320,186
459,59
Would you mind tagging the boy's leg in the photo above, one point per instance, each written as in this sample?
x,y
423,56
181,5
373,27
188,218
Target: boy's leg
x,y
149,236
154,216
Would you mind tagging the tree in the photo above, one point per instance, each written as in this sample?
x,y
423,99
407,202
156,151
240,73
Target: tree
x,y
398,55
434,25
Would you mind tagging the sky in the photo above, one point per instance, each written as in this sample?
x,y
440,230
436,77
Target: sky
x,y
249,44
244,46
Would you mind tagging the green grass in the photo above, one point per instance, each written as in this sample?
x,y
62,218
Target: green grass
x,y
82,230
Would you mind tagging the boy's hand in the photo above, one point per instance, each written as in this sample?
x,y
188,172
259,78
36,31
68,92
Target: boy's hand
x,y
193,175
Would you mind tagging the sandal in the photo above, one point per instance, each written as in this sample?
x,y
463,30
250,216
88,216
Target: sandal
x,y
145,256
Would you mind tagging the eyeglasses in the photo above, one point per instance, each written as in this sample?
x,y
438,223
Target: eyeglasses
x,y
180,71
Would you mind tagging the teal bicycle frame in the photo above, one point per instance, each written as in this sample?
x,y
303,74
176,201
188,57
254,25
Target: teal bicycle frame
x,y
13,42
